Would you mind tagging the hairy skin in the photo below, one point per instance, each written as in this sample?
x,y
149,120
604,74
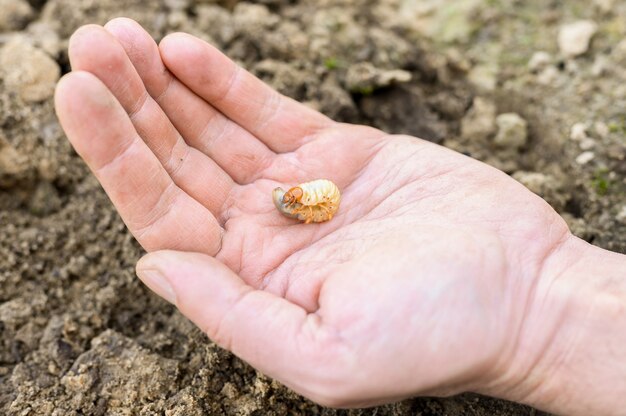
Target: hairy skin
x,y
421,284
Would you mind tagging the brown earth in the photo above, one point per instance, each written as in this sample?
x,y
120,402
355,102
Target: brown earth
x,y
79,332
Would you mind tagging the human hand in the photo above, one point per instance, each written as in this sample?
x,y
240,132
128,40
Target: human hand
x,y
421,284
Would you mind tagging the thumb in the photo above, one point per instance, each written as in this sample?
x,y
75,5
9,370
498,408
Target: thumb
x,y
263,329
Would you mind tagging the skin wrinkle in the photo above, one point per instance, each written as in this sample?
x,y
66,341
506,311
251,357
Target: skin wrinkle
x,y
267,277
558,323
321,273
293,265
225,341
272,106
124,148
377,204
278,173
208,136
227,131
224,211
377,146
524,323
138,105
234,78
174,164
163,94
159,210
306,337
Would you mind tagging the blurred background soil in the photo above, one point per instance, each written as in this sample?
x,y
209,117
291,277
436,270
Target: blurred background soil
x,y
536,88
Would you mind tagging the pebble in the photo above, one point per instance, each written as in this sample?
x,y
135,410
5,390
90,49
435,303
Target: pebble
x,y
587,143
45,200
480,121
366,77
512,131
585,157
15,14
539,61
621,215
28,71
484,77
578,132
45,37
604,5
13,165
574,38
601,66
602,130
177,4
619,52
548,76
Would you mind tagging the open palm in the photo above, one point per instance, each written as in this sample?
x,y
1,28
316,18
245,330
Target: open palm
x,y
418,285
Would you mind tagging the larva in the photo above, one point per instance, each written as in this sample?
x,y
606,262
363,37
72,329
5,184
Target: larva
x,y
315,201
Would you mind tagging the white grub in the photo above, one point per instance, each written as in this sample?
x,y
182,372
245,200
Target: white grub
x,y
315,201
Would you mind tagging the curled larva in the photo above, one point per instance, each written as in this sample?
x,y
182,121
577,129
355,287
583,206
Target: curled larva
x,y
315,201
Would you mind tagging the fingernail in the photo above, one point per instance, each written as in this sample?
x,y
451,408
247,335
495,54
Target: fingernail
x,y
158,283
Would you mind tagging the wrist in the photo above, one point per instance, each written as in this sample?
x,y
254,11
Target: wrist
x,y
570,356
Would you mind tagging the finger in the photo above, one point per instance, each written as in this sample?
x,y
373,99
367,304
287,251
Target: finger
x,y
273,335
157,212
280,122
234,148
95,50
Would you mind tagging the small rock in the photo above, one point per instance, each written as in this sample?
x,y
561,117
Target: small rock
x,y
578,132
15,15
13,165
484,77
605,6
15,311
480,121
28,71
229,390
574,38
48,169
335,101
619,52
365,77
253,17
177,4
539,61
512,131
45,200
587,143
616,151
548,76
585,157
45,37
621,215
394,76
601,128
600,66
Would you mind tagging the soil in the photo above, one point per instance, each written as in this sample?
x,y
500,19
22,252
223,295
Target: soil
x,y
80,335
